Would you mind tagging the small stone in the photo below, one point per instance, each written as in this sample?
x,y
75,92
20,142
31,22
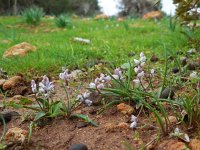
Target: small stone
x,y
78,147
81,125
194,144
171,145
93,111
123,125
175,70
167,92
197,63
19,50
109,127
191,66
120,19
154,58
95,98
172,119
153,15
7,117
184,61
125,109
101,16
12,82
82,40
16,135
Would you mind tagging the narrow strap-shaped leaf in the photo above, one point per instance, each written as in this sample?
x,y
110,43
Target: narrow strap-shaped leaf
x,y
85,118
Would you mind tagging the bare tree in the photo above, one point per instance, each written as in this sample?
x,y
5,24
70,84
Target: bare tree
x,y
15,7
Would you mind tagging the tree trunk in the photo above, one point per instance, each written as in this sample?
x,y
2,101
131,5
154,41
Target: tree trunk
x,y
15,8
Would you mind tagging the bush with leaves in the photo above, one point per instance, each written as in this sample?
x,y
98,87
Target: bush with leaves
x,y
63,21
188,10
33,15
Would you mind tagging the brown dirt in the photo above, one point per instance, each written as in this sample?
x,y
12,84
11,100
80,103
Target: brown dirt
x,y
112,132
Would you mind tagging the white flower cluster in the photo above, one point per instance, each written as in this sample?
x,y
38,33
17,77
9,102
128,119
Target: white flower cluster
x,y
65,76
104,80
45,87
139,69
139,65
181,135
84,98
100,82
118,74
134,121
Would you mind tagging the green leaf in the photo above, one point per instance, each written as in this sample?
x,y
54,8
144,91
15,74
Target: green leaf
x,y
39,115
30,130
44,102
25,101
55,109
17,106
126,66
85,118
109,105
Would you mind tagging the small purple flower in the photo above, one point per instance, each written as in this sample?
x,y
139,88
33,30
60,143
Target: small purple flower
x,y
133,125
65,75
136,83
142,54
88,102
140,75
92,85
33,86
134,118
137,62
45,86
143,58
100,86
118,72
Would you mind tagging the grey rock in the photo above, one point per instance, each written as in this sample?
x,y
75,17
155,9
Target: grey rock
x,y
81,125
167,92
175,70
78,147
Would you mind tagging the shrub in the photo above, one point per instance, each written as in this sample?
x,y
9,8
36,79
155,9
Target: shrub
x,y
63,21
33,15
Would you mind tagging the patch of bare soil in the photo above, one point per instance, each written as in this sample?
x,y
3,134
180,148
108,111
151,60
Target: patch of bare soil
x,y
112,132
61,133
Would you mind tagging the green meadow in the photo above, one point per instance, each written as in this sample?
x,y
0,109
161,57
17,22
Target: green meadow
x,y
111,41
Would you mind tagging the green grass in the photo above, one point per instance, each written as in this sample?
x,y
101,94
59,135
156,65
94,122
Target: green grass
x,y
111,41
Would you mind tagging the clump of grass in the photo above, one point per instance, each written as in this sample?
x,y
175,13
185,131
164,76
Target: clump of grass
x,y
63,21
191,110
127,85
33,15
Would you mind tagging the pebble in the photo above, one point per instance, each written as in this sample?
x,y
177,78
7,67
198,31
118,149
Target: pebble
x,y
78,147
184,61
154,58
175,70
167,92
81,125
191,66
8,116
